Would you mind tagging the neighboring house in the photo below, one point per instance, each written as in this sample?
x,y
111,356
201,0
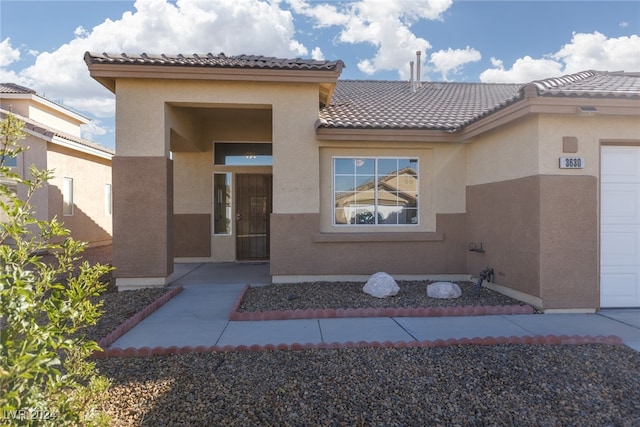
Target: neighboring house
x,y
250,158
79,194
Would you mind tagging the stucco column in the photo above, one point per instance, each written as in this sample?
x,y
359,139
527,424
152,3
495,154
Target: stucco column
x,y
142,188
142,221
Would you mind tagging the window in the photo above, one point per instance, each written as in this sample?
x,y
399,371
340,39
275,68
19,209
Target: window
x,y
243,154
375,191
67,196
11,161
107,199
222,203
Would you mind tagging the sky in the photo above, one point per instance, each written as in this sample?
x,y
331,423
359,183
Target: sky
x,y
42,43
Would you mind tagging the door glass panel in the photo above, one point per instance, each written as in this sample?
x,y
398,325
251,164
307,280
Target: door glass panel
x,y
222,203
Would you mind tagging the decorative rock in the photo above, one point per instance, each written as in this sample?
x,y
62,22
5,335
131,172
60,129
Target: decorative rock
x,y
381,285
443,290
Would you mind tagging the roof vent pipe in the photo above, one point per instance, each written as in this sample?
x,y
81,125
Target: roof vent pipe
x,y
418,53
413,87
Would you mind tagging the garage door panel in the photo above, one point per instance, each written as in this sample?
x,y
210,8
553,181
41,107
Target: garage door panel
x,y
622,289
620,164
620,227
620,201
619,248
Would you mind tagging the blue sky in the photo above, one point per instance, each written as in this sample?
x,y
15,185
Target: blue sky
x,y
42,42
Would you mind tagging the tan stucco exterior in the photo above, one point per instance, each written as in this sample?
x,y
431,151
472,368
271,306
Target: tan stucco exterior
x,y
495,184
54,143
91,220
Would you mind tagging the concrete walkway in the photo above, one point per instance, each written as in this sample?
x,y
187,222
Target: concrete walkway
x,y
199,316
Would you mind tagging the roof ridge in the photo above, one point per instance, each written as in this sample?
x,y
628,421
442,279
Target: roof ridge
x,y
555,82
211,60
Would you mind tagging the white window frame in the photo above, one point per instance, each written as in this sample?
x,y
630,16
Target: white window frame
x,y
228,209
108,199
67,196
375,158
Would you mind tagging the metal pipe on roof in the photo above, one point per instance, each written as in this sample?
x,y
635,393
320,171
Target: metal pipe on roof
x,y
413,88
418,53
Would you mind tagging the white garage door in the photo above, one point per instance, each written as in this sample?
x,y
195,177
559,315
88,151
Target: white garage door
x,y
620,227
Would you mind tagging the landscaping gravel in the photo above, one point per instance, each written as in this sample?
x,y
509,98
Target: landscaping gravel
x,y
303,296
525,385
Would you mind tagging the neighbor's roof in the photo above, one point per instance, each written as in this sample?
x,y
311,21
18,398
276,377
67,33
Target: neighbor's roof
x,y
450,106
14,88
61,138
214,61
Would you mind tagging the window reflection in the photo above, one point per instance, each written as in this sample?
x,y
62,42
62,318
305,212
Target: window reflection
x,y
376,191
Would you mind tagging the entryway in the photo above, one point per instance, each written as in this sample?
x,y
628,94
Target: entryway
x,y
253,207
620,226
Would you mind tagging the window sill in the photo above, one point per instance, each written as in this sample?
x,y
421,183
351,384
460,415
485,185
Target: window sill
x,y
377,237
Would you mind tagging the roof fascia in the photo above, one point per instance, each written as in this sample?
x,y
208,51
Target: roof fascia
x,y
49,104
549,105
391,135
56,139
107,74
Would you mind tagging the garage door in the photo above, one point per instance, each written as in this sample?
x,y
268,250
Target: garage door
x,y
620,227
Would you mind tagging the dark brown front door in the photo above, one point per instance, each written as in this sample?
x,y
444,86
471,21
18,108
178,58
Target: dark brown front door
x,y
253,206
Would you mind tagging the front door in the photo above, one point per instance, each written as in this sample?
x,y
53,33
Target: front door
x,y
253,207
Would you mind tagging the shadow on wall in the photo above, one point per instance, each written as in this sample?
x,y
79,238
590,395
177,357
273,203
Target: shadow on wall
x,y
81,225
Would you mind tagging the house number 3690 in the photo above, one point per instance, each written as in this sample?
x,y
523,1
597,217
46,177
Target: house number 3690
x,y
571,162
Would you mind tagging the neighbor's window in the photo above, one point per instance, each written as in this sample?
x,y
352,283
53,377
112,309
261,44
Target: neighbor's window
x,y
107,199
375,191
222,203
11,161
67,196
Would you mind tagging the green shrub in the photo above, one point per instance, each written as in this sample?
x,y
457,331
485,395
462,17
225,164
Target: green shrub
x,y
46,377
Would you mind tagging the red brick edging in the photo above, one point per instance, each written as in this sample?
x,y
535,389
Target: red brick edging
x,y
531,340
137,318
330,313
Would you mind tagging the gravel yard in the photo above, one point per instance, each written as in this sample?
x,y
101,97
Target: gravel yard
x,y
591,385
303,296
585,385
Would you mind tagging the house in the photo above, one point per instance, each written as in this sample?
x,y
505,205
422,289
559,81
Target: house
x,y
244,158
79,194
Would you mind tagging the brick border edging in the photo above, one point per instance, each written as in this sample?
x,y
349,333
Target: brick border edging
x,y
331,313
128,324
530,340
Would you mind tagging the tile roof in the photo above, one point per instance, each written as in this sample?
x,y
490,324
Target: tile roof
x,y
450,106
393,105
214,61
14,88
592,84
49,132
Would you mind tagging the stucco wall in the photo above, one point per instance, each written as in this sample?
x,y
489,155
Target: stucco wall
x,y
90,221
35,155
538,223
302,251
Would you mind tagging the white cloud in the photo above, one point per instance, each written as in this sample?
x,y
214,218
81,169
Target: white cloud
x,y
623,24
597,52
385,25
451,60
157,26
8,54
586,51
317,54
93,129
523,70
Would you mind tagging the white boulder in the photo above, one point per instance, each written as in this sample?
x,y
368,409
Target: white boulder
x,y
381,285
443,290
